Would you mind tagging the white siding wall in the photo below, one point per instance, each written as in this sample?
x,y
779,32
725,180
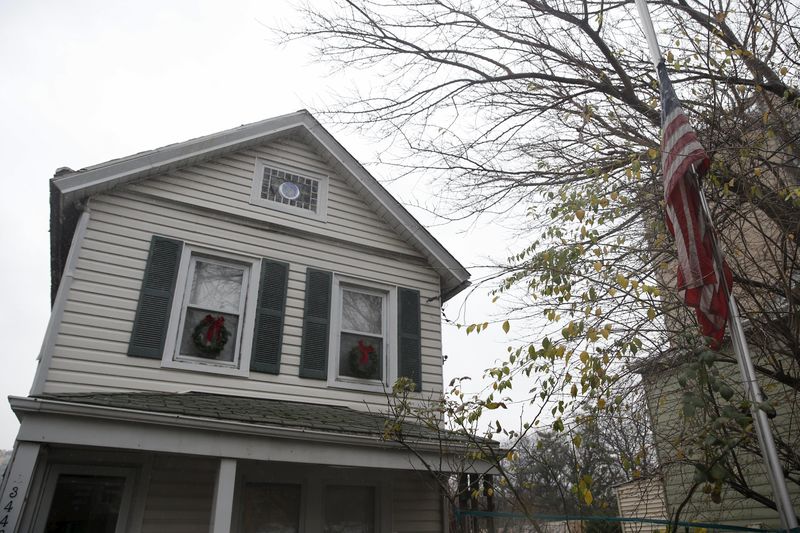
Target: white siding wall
x,y
643,498
416,504
224,184
208,205
180,495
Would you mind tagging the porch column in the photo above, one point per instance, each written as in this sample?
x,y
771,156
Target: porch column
x,y
222,508
16,483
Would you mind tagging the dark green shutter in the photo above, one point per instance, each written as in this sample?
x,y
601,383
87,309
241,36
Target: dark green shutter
x,y
409,336
155,299
268,334
316,325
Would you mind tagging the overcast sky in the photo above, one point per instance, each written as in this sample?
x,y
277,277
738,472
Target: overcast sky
x,y
82,82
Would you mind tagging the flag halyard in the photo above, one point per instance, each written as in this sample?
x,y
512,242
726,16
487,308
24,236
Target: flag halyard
x,y
683,157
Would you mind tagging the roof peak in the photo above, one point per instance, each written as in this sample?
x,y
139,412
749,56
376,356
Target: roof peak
x,y
70,189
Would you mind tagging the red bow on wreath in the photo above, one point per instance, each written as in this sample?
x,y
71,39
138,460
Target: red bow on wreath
x,y
365,350
214,327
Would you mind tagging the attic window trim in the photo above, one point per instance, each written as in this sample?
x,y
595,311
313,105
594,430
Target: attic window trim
x,y
256,197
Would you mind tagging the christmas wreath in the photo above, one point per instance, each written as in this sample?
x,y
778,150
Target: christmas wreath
x,y
363,360
210,335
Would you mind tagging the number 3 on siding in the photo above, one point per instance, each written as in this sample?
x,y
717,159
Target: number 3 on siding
x,y
7,508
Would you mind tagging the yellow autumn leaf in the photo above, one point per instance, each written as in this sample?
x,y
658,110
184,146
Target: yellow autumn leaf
x,y
598,266
574,390
587,497
651,313
612,291
614,195
580,213
653,153
622,281
601,404
584,357
784,71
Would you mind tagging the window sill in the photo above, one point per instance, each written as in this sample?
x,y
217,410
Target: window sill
x,y
360,385
208,367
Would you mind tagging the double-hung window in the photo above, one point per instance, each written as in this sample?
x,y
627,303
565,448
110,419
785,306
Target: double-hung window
x,y
362,344
212,315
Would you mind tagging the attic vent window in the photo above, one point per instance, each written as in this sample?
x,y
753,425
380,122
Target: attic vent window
x,y
290,191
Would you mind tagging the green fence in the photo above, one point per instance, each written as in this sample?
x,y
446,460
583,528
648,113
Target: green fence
x,y
504,522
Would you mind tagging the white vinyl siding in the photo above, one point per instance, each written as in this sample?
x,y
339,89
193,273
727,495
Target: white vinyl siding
x,y
180,495
417,504
664,398
642,498
225,185
90,350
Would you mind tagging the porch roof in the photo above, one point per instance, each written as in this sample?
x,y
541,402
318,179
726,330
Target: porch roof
x,y
335,420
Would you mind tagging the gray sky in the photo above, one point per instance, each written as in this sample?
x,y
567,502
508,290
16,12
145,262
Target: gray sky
x,y
86,81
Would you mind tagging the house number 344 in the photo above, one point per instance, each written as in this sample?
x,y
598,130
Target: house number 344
x,y
9,505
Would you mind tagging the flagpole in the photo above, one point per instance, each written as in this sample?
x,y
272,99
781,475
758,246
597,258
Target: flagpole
x,y
768,450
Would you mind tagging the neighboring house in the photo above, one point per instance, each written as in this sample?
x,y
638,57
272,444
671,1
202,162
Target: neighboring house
x,y
642,498
228,316
677,453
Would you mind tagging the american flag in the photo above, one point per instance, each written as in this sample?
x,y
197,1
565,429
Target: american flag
x,y
682,156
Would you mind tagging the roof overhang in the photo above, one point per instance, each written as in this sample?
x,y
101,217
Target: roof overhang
x,y
70,189
77,424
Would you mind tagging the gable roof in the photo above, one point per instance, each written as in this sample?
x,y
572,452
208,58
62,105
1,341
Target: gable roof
x,y
69,189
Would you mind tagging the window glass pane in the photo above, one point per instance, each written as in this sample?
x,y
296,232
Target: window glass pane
x,y
361,356
85,504
362,312
216,287
209,335
349,509
271,508
300,192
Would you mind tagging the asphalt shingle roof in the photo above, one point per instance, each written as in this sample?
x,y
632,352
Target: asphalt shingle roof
x,y
257,411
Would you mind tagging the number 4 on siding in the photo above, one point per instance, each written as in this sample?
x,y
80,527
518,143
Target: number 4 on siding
x,y
9,506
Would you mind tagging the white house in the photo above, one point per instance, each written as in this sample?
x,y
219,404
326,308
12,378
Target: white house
x,y
228,314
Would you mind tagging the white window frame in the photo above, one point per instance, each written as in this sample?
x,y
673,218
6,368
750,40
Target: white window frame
x,y
241,486
322,191
389,363
51,480
241,363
